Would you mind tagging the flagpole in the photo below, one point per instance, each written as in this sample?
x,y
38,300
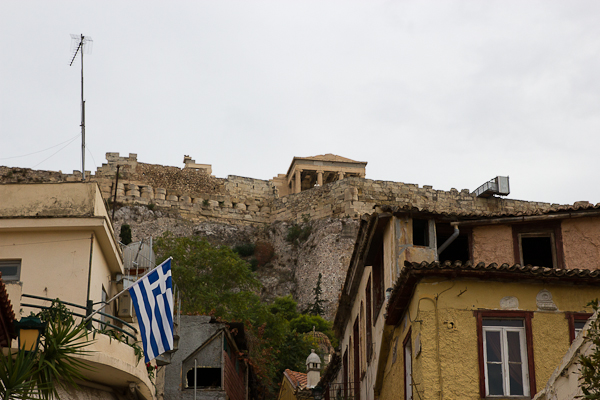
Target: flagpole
x,y
124,290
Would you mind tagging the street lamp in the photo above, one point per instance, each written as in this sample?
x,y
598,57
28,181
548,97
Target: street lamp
x,y
29,330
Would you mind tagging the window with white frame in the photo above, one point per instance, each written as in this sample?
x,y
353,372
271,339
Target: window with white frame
x,y
505,358
11,270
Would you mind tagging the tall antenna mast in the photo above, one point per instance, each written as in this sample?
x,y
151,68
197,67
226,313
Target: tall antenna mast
x,y
81,44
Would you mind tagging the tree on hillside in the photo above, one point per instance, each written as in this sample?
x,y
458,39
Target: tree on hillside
x,y
211,280
316,308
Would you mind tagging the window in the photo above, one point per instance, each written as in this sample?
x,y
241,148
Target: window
x,y
11,270
505,358
420,232
204,378
576,323
407,368
538,244
459,249
369,327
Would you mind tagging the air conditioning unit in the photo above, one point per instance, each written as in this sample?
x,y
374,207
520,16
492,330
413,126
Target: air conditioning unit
x,y
126,310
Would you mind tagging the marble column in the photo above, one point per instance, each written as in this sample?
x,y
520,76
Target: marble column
x,y
298,183
320,178
340,175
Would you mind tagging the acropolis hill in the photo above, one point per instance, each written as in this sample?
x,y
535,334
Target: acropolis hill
x,y
314,187
328,192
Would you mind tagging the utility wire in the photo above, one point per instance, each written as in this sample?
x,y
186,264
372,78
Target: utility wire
x,y
41,151
53,154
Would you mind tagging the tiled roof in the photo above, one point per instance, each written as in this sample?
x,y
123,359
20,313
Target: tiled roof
x,y
543,209
7,316
297,379
413,272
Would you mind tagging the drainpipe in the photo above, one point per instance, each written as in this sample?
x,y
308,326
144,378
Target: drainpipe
x,y
449,240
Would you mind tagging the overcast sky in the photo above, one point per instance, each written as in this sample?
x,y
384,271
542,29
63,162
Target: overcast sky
x,y
445,93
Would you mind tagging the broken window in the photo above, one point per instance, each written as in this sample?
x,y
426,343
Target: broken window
x,y
538,245
420,232
459,249
205,378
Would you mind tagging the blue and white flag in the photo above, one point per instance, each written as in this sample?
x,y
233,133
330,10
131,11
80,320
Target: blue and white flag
x,y
153,301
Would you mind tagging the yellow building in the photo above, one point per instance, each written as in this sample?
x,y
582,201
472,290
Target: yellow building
x,y
398,298
293,386
56,241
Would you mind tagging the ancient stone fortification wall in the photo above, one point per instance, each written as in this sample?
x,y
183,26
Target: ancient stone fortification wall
x,y
239,200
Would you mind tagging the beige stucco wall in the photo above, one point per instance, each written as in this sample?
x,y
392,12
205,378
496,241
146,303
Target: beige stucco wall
x,y
456,325
493,244
55,264
51,199
581,242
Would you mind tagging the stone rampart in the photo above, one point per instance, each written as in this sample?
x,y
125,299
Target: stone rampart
x,y
240,200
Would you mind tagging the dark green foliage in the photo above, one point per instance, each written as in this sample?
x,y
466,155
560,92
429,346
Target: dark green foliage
x,y
253,264
589,380
304,323
125,234
245,250
212,280
316,308
285,307
298,233
151,206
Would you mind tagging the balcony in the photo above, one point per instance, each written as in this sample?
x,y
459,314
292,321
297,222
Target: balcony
x,y
113,360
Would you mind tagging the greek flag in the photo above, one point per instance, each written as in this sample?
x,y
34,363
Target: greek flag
x,y
153,301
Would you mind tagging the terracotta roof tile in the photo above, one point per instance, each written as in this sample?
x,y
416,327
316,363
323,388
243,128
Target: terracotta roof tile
x,y
544,209
7,316
297,379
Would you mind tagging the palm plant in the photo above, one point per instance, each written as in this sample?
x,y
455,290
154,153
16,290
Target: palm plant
x,y
36,375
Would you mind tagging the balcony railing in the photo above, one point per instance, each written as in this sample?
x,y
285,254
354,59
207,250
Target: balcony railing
x,y
104,325
340,391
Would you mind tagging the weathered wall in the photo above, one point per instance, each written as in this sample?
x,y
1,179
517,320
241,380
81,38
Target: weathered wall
x,y
493,244
456,325
581,242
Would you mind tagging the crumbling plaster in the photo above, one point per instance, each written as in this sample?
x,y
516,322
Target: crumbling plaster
x,y
493,244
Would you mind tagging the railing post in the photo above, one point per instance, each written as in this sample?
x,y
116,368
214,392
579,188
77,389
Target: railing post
x,y
88,311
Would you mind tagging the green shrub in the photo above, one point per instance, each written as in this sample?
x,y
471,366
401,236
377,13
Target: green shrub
x,y
253,264
298,233
125,234
245,249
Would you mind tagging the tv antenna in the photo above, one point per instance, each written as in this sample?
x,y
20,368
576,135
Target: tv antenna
x,y
81,44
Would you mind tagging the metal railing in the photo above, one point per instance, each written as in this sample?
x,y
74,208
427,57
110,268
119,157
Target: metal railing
x,y
340,391
105,325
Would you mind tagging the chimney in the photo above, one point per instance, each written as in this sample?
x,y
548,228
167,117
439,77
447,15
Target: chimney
x,y
313,369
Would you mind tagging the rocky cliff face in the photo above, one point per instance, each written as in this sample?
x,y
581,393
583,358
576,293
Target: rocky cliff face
x,y
295,264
